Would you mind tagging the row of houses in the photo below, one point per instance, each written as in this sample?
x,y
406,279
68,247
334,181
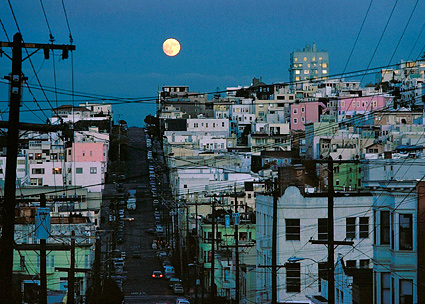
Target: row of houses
x,y
70,170
217,147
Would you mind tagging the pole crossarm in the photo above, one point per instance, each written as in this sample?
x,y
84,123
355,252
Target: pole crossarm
x,y
343,243
52,247
64,269
47,46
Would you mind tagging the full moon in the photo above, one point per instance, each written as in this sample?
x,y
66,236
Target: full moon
x,y
171,47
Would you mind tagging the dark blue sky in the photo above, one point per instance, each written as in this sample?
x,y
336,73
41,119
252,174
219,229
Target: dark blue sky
x,y
224,43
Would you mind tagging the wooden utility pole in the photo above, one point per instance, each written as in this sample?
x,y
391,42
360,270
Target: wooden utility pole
x,y
43,271
236,219
274,242
8,212
330,242
212,294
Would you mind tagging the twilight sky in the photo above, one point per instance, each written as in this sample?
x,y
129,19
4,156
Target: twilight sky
x,y
224,43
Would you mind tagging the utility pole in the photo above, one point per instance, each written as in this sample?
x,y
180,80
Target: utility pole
x,y
43,272
97,258
330,242
212,295
71,274
236,218
8,212
331,246
274,242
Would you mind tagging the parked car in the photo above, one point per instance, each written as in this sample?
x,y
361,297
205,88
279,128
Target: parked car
x,y
182,301
178,288
169,272
174,281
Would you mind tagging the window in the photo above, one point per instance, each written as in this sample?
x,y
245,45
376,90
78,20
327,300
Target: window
x,y
93,170
295,111
306,72
350,227
364,263
295,59
292,229
323,273
385,227
406,232
324,65
21,162
79,170
293,277
38,171
222,124
305,58
324,71
406,292
322,228
385,288
297,72
351,264
364,227
297,78
226,277
22,262
195,125
243,236
295,120
56,170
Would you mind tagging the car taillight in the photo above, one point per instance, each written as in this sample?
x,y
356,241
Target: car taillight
x,y
153,276
160,275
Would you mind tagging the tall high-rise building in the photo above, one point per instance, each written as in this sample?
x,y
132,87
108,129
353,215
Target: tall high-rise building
x,y
310,63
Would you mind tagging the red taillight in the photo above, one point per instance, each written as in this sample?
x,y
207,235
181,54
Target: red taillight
x,y
160,275
153,276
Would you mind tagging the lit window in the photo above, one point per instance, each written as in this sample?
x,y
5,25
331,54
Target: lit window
x,y
320,58
305,58
295,59
297,72
297,78
324,71
56,170
306,72
324,65
302,110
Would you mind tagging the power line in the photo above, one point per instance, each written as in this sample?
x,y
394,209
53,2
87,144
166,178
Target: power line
x,y
5,32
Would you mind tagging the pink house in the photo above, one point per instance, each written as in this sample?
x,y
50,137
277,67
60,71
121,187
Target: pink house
x,y
355,105
305,112
88,152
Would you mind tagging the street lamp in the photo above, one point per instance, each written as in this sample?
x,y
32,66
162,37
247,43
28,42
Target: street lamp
x,y
295,259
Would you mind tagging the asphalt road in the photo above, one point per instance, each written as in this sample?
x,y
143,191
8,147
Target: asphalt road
x,y
139,286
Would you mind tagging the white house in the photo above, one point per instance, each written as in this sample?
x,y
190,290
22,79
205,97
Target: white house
x,y
300,219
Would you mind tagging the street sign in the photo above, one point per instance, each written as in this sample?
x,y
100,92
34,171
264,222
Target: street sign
x,y
42,223
236,218
227,220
